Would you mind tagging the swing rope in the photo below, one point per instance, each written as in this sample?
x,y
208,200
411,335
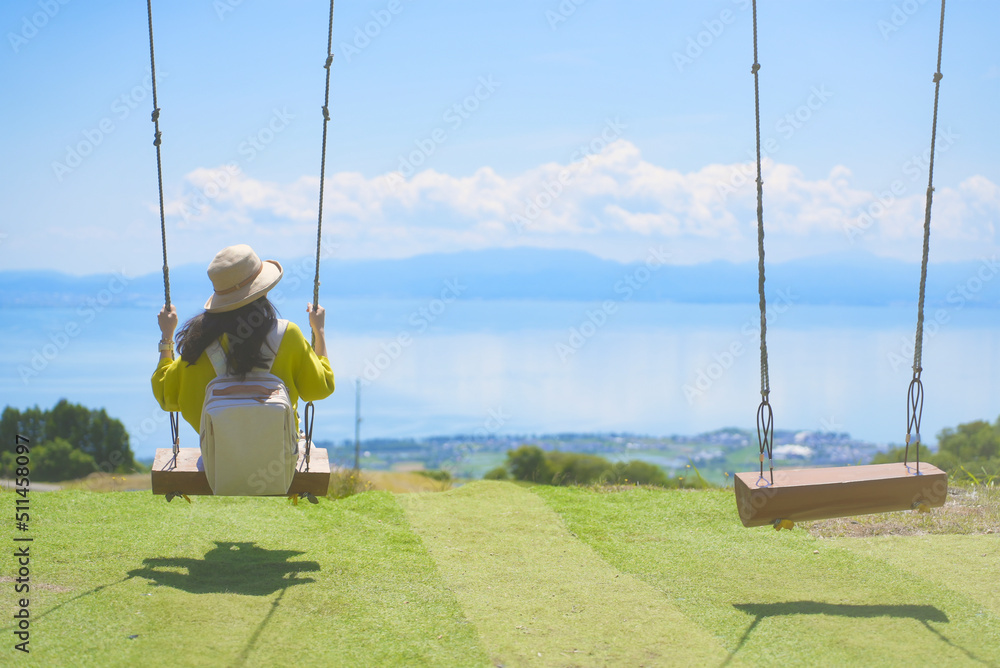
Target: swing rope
x,y
915,392
322,164
310,410
765,418
157,135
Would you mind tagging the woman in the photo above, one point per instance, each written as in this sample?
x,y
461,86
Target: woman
x,y
240,316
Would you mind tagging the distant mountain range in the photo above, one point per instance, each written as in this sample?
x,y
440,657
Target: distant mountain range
x,y
540,274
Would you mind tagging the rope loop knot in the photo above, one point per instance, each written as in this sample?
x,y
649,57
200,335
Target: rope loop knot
x,y
938,76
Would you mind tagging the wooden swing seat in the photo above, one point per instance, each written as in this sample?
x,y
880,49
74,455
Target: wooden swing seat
x,y
823,493
186,474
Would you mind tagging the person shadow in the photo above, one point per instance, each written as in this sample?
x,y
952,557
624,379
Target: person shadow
x,y
234,568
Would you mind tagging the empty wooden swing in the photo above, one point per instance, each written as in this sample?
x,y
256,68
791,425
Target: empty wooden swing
x,y
180,471
781,498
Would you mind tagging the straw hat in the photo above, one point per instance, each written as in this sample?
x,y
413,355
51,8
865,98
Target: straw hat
x,y
239,277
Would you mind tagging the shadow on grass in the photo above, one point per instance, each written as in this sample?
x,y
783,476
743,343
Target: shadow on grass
x,y
89,592
241,660
232,568
925,614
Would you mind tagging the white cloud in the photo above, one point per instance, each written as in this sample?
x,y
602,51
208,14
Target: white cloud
x,y
613,204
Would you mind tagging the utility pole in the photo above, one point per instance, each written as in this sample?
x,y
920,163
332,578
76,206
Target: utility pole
x,y
357,424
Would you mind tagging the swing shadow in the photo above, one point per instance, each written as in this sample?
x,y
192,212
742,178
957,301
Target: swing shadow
x,y
232,568
925,614
89,592
241,660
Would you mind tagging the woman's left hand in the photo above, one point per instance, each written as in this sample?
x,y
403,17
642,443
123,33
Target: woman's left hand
x,y
317,321
168,322
317,318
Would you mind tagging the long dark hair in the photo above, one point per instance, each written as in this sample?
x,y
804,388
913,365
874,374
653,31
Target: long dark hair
x,y
246,329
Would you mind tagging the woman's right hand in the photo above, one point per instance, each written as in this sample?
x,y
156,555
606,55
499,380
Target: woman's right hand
x,y
167,319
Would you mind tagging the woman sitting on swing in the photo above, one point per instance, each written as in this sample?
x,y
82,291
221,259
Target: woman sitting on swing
x,y
240,317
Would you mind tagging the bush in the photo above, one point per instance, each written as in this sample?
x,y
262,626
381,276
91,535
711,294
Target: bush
x,y
529,463
982,472
68,441
58,460
972,441
532,464
499,473
577,469
439,475
345,483
970,448
640,472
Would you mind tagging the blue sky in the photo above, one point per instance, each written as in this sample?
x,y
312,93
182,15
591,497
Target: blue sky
x,y
659,94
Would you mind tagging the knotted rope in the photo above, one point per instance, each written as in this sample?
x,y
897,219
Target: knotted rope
x,y
915,391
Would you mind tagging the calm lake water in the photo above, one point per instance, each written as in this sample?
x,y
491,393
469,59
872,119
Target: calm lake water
x,y
517,367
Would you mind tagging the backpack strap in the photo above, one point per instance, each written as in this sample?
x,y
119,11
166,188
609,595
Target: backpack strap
x,y
273,340
217,356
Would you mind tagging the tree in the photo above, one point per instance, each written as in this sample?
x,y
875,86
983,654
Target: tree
x,y
972,445
102,443
532,464
498,473
57,460
578,469
528,463
971,441
643,473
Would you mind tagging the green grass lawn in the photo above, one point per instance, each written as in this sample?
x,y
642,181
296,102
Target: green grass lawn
x,y
233,582
787,598
487,574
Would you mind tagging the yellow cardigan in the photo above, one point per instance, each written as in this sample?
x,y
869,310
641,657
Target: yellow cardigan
x,y
181,387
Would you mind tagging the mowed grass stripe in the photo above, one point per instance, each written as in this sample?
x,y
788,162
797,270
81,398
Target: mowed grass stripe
x,y
780,598
966,563
233,582
540,597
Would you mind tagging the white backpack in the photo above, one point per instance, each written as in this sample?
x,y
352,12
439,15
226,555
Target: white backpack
x,y
248,440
